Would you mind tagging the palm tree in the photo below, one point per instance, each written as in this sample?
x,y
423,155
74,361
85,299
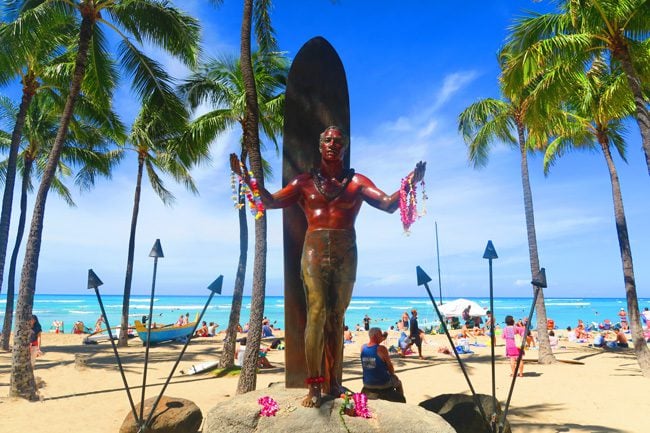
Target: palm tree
x,y
219,83
161,142
151,20
259,10
509,120
584,29
34,60
85,149
594,113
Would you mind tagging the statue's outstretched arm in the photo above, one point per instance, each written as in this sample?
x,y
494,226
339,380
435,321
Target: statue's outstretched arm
x,y
283,198
389,203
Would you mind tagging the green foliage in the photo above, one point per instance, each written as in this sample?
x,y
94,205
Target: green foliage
x,y
219,84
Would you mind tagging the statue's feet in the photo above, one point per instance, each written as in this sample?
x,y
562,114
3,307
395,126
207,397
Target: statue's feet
x,y
337,390
313,398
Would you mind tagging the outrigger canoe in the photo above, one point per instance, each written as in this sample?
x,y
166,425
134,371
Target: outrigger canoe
x,y
166,332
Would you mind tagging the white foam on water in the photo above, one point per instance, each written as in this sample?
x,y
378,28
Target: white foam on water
x,y
579,304
59,301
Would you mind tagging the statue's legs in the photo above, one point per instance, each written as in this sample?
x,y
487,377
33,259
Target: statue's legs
x,y
328,271
334,335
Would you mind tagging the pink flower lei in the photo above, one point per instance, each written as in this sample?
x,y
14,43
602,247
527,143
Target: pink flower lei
x,y
269,406
408,202
361,405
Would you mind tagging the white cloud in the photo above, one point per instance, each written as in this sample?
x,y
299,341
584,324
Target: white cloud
x,y
452,84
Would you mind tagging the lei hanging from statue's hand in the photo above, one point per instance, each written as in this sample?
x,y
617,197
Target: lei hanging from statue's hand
x,y
248,187
407,196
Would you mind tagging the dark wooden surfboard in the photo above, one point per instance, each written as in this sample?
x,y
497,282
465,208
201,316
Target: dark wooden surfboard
x,y
316,97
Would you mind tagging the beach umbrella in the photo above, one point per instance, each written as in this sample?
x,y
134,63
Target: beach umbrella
x,y
455,308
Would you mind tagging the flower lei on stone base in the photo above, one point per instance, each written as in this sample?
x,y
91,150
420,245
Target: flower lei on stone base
x,y
269,406
251,193
354,404
408,208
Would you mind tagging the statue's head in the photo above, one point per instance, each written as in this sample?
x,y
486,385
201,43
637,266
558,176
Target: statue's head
x,y
333,143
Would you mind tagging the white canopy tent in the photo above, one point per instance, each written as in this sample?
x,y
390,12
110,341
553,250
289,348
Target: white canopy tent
x,y
455,308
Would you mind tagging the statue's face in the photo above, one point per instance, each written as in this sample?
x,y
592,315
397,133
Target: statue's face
x,y
332,147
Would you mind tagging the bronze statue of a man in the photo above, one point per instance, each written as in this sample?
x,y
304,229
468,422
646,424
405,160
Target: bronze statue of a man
x,y
330,196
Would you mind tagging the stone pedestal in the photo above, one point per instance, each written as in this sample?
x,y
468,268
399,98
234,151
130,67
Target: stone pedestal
x,y
172,415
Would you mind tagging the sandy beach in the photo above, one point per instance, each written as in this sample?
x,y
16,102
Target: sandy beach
x,y
606,393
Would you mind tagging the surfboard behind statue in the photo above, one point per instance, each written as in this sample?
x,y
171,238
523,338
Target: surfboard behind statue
x,y
316,97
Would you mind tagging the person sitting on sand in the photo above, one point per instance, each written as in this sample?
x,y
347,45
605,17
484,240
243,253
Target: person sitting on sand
x,y
621,339
212,329
553,340
202,331
581,332
570,335
78,328
267,331
378,371
347,335
599,340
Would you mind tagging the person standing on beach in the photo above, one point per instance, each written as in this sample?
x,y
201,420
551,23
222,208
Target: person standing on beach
x,y
512,349
99,324
414,332
331,197
366,322
35,339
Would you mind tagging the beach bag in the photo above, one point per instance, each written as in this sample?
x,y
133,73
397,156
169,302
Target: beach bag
x,y
518,340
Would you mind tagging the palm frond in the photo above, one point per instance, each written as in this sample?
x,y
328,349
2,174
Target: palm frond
x,y
482,123
149,80
157,184
101,73
160,24
264,33
62,191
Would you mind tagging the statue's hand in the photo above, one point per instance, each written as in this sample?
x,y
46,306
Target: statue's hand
x,y
418,173
238,167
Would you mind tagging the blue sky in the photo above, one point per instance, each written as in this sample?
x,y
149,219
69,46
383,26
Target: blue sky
x,y
412,67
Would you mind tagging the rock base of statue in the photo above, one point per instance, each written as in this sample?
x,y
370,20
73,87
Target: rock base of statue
x,y
241,414
461,412
172,415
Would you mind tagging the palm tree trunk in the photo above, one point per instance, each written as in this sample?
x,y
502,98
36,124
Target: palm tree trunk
x,y
22,382
124,324
622,54
640,346
228,355
248,377
29,89
9,309
545,353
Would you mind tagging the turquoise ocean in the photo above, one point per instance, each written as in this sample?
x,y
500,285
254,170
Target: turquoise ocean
x,y
384,312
